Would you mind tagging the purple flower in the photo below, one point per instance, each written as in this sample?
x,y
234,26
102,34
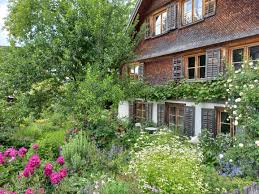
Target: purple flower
x,y
34,161
22,152
48,169
28,171
35,146
2,158
60,160
29,191
55,178
63,173
10,152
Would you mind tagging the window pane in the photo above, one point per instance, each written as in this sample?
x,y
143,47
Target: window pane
x,y
180,121
224,117
202,66
164,18
191,62
202,60
158,25
136,70
254,53
172,120
191,73
238,57
202,72
225,128
187,9
197,10
172,111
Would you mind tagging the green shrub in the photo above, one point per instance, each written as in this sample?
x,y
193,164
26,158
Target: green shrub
x,y
81,153
167,165
117,187
219,184
50,143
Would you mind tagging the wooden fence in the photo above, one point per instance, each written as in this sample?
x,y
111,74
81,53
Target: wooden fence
x,y
253,189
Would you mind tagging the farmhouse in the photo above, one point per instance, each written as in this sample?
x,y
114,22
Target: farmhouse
x,y
191,40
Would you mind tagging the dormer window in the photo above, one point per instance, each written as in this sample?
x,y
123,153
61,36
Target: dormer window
x,y
192,11
160,23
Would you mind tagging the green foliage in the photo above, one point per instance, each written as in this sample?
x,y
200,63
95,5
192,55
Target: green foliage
x,y
117,187
167,165
197,91
50,144
80,153
211,147
219,184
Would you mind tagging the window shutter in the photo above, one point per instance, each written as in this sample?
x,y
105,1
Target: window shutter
x,y
189,121
210,8
149,111
171,16
141,71
208,120
178,69
132,110
148,33
213,62
160,114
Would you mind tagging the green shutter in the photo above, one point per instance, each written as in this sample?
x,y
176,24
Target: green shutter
x,y
189,121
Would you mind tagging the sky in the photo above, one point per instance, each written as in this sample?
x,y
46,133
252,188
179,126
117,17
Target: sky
x,y
3,13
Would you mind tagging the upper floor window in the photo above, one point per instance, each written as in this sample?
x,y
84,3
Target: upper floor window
x,y
196,67
160,23
136,71
192,11
238,58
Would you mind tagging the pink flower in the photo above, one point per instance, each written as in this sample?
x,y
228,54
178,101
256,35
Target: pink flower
x,y
2,158
12,193
48,169
10,152
60,160
22,152
34,161
63,172
28,171
55,178
29,191
41,191
35,146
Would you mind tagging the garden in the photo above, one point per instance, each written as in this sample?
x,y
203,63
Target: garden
x,y
59,95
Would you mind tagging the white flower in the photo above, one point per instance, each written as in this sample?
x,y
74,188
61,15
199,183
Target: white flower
x,y
221,156
230,85
238,100
241,145
240,116
255,68
234,112
225,85
228,90
229,80
226,103
238,71
236,123
241,93
257,143
251,63
251,86
235,106
256,81
230,160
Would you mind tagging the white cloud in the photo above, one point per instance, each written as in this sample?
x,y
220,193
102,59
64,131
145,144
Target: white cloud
x,y
3,14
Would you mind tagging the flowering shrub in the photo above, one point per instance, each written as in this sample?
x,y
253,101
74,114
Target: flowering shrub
x,y
243,102
167,165
33,178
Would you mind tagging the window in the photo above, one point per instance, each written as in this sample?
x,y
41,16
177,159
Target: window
x,y
192,11
136,71
160,114
160,23
238,58
176,116
254,54
224,123
196,67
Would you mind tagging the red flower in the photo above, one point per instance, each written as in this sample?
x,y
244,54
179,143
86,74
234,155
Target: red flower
x,y
55,178
35,146
63,173
60,160
29,191
22,152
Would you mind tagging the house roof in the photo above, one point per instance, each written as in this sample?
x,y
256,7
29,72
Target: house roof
x,y
233,20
